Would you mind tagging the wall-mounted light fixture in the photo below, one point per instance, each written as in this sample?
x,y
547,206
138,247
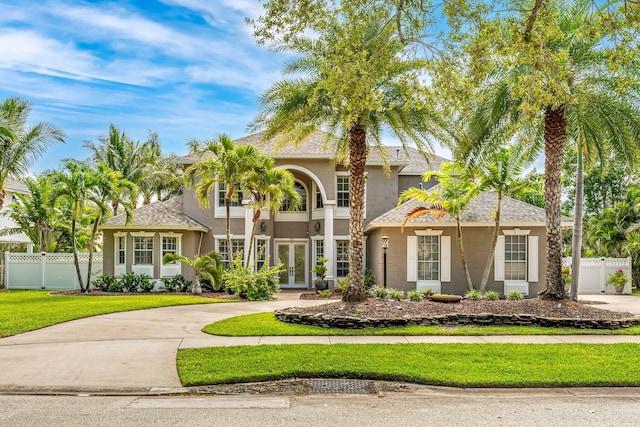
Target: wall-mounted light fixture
x,y
263,226
316,226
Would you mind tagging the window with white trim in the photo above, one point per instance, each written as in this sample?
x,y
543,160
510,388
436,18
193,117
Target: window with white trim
x,y
318,250
342,258
222,195
302,207
319,202
169,245
237,245
428,258
342,191
515,257
143,250
121,250
261,253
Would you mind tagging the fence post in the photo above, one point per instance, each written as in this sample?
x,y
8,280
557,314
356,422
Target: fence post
x,y
603,274
43,263
5,270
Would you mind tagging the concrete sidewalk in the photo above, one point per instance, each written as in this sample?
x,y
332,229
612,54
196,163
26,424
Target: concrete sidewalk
x,y
137,350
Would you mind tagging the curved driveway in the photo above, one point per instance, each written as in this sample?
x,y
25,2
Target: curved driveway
x,y
136,350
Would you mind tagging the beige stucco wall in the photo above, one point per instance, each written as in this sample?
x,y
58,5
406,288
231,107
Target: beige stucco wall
x,y
477,242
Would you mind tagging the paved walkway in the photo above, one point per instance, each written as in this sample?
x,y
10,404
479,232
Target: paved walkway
x,y
137,350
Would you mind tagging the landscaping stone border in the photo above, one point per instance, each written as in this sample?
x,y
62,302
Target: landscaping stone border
x,y
482,319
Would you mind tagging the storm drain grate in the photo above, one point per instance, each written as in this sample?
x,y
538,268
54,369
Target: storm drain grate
x,y
341,386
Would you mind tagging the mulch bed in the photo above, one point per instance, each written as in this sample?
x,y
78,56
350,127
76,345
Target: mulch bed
x,y
375,308
95,293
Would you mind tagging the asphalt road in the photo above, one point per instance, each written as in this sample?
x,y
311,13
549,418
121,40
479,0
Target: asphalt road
x,y
431,407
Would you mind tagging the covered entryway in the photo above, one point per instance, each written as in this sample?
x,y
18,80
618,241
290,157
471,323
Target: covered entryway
x,y
293,255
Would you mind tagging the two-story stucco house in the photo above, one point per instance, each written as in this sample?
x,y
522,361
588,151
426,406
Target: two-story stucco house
x,y
424,256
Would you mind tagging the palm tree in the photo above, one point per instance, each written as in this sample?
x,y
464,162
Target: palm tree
x,y
35,214
452,196
228,166
20,144
356,81
75,185
162,179
584,102
269,187
207,266
130,158
503,175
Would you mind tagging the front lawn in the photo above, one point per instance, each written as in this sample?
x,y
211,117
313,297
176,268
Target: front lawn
x,y
459,365
266,324
22,311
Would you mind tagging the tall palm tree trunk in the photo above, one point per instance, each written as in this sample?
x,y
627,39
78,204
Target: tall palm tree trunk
x,y
227,202
357,160
253,235
555,131
576,243
494,242
94,232
76,261
467,276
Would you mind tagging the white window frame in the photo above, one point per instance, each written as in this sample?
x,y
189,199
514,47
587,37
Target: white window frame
x,y
223,238
256,249
296,215
170,270
444,243
531,268
315,240
221,210
147,269
341,211
335,251
317,212
118,267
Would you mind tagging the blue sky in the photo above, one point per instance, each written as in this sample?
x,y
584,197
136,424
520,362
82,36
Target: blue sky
x,y
182,68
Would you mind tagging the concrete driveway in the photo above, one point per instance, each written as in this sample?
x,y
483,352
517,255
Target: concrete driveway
x,y
136,350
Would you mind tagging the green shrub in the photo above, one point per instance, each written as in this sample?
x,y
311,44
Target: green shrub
x,y
378,291
325,293
250,284
128,282
414,295
396,294
145,284
491,295
369,279
105,283
473,295
427,293
177,283
514,294
342,285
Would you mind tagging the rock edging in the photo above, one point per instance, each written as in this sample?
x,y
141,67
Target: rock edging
x,y
483,319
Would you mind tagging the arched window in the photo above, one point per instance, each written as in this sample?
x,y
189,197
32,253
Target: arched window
x,y
302,207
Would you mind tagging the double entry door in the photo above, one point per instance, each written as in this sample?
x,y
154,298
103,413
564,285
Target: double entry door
x,y
293,255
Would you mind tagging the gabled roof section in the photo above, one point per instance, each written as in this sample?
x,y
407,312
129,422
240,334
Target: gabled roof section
x,y
16,186
480,212
158,215
321,145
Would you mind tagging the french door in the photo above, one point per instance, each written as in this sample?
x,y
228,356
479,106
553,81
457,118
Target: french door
x,y
293,255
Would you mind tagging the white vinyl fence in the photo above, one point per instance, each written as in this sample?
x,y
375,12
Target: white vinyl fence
x,y
594,273
47,270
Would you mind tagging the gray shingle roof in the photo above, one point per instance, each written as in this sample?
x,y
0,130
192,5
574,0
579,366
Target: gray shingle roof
x,y
321,145
480,211
16,186
159,215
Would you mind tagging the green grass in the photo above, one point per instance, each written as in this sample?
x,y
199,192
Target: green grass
x,y
22,311
266,324
460,365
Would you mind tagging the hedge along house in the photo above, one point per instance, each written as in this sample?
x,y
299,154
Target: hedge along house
x,y
320,227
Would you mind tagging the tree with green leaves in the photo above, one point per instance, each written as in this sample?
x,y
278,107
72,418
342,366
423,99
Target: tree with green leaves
x,y
560,66
207,266
226,164
21,144
270,187
36,214
503,175
353,80
452,196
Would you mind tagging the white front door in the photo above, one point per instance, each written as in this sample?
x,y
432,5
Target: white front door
x,y
293,256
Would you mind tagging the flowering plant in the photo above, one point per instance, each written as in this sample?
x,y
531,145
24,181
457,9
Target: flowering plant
x,y
617,279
